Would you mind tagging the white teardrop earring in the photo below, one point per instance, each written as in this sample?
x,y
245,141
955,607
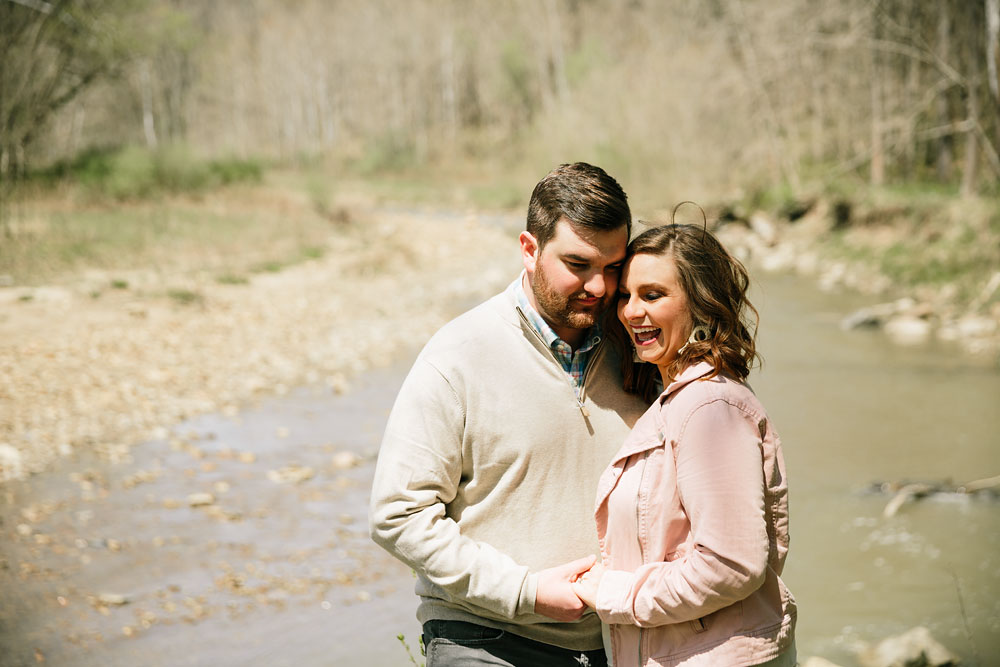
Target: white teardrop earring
x,y
698,334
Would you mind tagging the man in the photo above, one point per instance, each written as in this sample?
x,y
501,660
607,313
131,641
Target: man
x,y
488,469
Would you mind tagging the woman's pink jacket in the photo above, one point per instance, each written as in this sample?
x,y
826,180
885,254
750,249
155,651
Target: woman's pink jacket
x,y
692,517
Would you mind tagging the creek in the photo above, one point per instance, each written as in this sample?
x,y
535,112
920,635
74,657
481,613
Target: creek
x,y
276,571
852,409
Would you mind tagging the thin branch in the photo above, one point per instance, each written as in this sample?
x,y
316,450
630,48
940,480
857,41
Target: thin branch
x,y
37,5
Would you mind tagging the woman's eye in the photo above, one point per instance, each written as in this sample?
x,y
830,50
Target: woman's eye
x,y
652,296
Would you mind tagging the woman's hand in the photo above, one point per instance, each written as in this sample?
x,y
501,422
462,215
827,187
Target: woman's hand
x,y
555,596
586,585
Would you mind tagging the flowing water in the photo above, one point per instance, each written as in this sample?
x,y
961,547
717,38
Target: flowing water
x,y
280,572
854,409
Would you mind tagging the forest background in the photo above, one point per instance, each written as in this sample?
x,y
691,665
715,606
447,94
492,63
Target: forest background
x,y
233,139
710,100
207,203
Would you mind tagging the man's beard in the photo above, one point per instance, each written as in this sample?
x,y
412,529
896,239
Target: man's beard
x,y
558,309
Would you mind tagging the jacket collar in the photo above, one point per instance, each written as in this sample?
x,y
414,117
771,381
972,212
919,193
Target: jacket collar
x,y
652,435
687,376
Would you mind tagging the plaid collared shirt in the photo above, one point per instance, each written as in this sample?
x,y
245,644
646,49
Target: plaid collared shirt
x,y
574,363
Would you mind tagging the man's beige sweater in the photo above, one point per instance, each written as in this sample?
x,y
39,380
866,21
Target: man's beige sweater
x,y
488,470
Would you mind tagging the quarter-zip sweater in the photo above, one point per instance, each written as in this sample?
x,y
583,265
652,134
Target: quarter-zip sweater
x,y
487,470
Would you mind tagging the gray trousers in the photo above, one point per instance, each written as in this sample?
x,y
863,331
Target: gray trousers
x,y
460,644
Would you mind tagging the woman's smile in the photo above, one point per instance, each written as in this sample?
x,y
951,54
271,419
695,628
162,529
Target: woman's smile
x,y
645,335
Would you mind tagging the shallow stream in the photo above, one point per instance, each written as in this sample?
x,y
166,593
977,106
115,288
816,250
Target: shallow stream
x,y
281,572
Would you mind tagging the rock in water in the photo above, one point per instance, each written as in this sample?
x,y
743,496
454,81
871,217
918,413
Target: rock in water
x,y
913,648
816,661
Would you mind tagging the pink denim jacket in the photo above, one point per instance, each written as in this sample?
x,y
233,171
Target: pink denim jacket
x,y
692,517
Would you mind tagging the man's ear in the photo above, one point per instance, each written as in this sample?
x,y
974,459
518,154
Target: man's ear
x,y
529,251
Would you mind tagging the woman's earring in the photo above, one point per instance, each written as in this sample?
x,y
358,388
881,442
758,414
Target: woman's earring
x,y
698,334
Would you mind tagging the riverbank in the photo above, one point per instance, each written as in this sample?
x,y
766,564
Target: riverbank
x,y
933,262
106,359
215,535
204,321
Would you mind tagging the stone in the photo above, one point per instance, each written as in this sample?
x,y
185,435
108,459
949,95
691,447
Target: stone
x,y
914,648
11,465
345,459
200,499
870,316
908,329
112,599
974,326
291,474
764,228
816,661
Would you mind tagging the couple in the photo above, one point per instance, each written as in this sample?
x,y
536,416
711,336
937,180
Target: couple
x,y
514,417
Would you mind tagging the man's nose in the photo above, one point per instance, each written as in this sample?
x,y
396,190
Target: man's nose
x,y
596,285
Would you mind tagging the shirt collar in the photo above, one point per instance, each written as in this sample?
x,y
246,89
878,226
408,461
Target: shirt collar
x,y
550,337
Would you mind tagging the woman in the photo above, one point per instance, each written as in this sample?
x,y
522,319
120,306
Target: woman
x,y
692,513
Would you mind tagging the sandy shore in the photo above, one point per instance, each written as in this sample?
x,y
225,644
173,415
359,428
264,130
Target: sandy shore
x,y
101,374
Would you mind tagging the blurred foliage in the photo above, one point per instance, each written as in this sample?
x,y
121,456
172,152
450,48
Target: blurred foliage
x,y
231,232
133,172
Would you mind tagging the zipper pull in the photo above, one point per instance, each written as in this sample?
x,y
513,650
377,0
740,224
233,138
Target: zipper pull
x,y
583,409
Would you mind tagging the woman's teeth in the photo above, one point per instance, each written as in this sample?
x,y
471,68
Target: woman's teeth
x,y
645,334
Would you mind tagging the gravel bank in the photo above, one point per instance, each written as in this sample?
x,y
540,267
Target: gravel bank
x,y
106,373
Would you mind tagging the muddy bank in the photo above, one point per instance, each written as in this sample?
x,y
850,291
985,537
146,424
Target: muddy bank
x,y
80,374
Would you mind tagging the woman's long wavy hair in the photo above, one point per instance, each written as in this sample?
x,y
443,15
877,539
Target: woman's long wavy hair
x,y
715,284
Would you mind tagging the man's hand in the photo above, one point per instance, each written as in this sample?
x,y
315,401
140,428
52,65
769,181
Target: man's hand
x,y
554,596
586,586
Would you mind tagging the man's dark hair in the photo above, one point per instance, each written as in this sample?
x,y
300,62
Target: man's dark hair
x,y
584,194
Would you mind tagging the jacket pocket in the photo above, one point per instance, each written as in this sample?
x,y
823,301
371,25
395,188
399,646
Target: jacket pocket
x,y
698,625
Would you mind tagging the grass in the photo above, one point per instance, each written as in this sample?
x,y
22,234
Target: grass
x,y
230,232
134,172
232,279
185,297
131,209
920,238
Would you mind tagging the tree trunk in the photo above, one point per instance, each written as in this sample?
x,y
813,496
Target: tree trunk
x,y
971,169
992,37
146,94
877,163
944,147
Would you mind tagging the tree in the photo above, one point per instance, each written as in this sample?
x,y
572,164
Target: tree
x,y
50,52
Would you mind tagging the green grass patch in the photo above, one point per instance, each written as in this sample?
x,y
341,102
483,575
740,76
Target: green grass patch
x,y
233,233
269,266
232,279
134,172
185,297
929,241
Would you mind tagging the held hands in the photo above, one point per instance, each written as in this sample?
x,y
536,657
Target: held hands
x,y
586,585
555,595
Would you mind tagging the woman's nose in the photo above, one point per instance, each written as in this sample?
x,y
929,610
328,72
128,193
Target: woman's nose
x,y
632,310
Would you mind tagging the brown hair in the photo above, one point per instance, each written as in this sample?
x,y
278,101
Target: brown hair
x,y
715,284
584,194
